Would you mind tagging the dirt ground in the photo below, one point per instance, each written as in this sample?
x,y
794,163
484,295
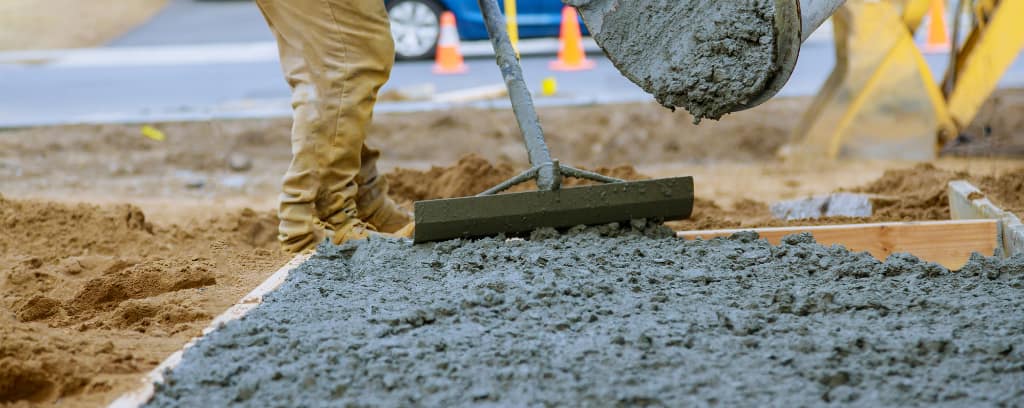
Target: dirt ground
x,y
195,161
116,248
92,296
35,24
239,163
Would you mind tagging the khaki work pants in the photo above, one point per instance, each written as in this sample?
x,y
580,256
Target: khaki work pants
x,y
335,54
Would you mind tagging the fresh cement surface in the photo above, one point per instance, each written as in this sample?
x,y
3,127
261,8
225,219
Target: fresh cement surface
x,y
704,55
607,317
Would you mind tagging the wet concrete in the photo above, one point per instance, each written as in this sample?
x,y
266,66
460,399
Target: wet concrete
x,y
608,317
707,56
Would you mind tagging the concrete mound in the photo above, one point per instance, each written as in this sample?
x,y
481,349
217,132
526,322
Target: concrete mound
x,y
617,316
707,56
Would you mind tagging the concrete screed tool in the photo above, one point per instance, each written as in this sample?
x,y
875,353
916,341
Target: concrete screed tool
x,y
678,50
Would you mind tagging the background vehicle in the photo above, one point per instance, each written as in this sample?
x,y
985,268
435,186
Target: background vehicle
x,y
415,24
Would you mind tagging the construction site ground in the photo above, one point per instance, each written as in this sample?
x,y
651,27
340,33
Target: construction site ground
x,y
118,248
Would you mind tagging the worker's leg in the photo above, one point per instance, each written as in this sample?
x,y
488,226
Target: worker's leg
x,y
375,207
299,224
357,53
346,51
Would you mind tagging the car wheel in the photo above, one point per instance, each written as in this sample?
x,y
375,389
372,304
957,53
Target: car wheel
x,y
415,25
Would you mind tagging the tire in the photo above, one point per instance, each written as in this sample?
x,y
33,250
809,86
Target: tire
x,y
415,26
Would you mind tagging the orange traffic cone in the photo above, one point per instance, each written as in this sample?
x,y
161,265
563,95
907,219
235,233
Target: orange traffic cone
x,y
938,38
570,53
449,56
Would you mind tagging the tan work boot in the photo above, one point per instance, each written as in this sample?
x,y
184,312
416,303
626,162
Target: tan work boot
x,y
387,216
356,229
308,242
375,207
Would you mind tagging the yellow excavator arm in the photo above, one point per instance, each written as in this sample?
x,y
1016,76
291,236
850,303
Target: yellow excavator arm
x,y
881,100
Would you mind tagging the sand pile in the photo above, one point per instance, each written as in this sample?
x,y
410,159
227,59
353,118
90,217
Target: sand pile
x,y
91,296
920,192
605,316
1005,190
472,175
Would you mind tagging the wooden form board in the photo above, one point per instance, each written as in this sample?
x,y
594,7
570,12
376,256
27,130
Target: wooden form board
x,y
966,202
948,243
142,394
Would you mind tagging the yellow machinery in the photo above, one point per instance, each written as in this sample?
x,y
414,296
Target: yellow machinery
x,y
881,100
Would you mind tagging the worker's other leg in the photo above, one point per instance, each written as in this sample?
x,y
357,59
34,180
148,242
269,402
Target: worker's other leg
x,y
358,56
299,227
375,207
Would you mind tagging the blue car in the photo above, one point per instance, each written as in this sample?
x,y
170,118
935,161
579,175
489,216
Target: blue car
x,y
415,24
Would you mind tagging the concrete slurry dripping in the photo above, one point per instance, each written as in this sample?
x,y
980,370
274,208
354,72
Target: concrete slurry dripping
x,y
708,56
607,316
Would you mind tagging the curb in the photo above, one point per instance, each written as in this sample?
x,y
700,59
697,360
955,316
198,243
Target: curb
x,y
197,54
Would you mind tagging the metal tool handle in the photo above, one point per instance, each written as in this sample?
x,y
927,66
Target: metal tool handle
x,y
814,12
522,102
